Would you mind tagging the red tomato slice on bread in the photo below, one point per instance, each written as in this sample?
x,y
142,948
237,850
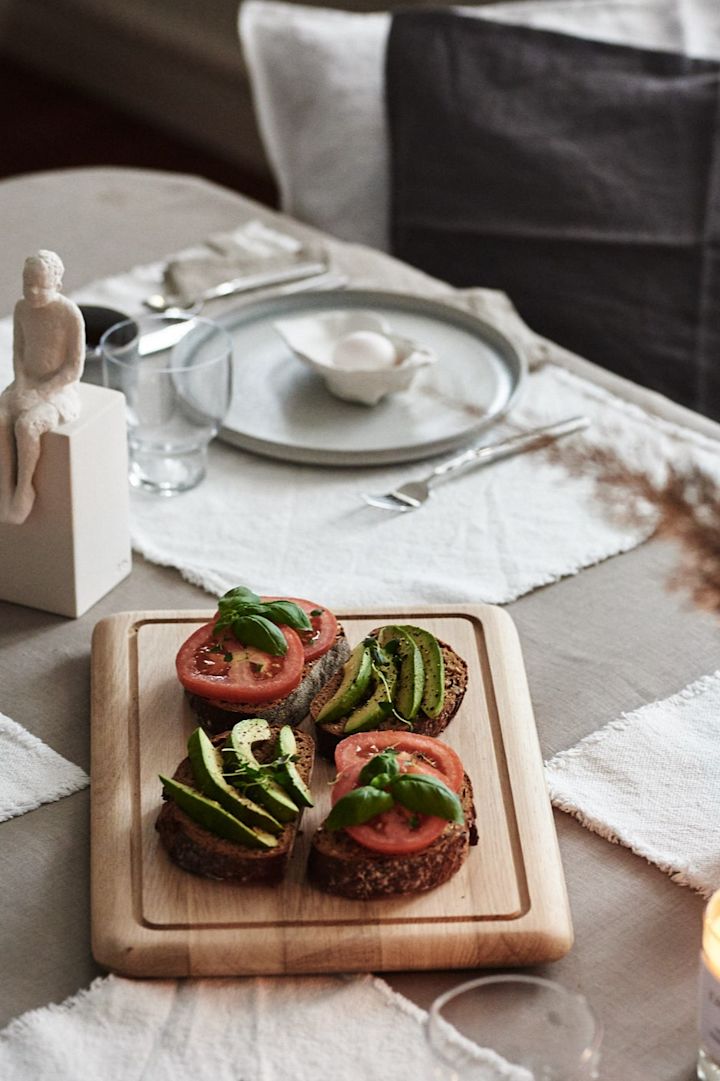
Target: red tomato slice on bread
x,y
398,831
324,627
364,745
223,669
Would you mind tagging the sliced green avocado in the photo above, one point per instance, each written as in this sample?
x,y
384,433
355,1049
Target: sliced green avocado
x,y
355,682
238,754
379,705
411,670
207,769
209,814
433,698
289,775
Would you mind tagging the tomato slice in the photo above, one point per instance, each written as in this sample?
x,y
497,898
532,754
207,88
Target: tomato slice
x,y
221,668
398,831
324,627
364,745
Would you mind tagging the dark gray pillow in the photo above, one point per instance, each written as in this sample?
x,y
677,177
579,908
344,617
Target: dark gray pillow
x,y
582,178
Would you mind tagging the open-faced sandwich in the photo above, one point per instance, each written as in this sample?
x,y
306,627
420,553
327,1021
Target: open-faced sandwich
x,y
260,657
402,818
233,806
398,677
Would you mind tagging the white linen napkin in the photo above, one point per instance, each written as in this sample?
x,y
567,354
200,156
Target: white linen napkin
x,y
246,250
264,1029
628,780
32,773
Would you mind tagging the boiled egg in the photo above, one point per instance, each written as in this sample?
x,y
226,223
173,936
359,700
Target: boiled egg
x,y
364,350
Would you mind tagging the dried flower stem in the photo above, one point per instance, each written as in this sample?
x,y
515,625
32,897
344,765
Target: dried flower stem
x,y
684,507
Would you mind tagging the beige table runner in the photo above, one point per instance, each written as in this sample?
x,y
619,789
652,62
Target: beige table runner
x,y
594,644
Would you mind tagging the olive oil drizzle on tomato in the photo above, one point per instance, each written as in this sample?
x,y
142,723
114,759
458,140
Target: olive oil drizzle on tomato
x,y
217,658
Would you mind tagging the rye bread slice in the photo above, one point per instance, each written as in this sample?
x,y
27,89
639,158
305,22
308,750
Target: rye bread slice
x,y
338,864
196,849
218,716
456,678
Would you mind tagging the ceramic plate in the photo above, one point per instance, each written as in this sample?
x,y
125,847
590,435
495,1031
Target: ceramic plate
x,y
282,409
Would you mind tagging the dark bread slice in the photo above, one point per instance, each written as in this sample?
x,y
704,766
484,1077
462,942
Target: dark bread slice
x,y
338,864
196,849
217,716
456,678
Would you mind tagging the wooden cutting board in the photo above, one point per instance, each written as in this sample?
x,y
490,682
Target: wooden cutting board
x,y
507,906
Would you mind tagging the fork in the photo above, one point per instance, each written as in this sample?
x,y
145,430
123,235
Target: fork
x,y
412,495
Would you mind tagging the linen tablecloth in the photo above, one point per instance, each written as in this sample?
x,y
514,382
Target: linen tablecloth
x,y
596,645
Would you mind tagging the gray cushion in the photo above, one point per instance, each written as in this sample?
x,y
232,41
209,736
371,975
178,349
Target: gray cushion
x,y
578,176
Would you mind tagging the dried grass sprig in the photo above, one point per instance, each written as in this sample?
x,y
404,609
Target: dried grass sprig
x,y
681,502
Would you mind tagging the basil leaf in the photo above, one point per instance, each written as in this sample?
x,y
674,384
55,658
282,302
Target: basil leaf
x,y
288,613
241,594
261,633
382,780
427,795
383,764
357,807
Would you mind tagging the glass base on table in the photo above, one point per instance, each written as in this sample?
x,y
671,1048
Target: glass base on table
x,y
166,475
707,1068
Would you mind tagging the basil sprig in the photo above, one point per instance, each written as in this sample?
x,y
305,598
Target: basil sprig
x,y
383,785
428,796
256,623
359,806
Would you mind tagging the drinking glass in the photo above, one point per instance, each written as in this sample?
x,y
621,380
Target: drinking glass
x,y
176,375
514,1028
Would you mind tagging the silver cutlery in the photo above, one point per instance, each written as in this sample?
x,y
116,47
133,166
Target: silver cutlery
x,y
246,283
412,495
167,336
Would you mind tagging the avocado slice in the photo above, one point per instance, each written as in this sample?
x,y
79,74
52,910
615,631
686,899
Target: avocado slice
x,y
355,682
209,814
288,773
411,670
207,769
238,753
379,705
433,698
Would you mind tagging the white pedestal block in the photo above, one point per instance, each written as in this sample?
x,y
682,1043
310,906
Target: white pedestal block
x,y
75,545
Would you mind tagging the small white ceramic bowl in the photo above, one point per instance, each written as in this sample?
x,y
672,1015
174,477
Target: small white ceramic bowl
x,y
376,370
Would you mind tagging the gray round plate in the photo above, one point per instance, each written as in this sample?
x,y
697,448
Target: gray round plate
x,y
282,409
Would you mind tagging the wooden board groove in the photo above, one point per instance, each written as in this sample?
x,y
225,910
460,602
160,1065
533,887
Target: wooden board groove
x,y
507,906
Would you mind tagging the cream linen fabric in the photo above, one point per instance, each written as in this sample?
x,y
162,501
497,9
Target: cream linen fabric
x,y
250,249
32,773
651,781
318,84
228,1030
490,535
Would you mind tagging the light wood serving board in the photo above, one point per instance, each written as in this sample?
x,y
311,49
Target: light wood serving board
x,y
507,905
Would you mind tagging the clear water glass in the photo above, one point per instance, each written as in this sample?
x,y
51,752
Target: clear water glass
x,y
176,375
514,1028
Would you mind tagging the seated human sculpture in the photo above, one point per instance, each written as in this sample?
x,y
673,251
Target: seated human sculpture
x,y
48,358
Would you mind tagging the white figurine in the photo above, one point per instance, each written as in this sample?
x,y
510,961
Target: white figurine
x,y
48,358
